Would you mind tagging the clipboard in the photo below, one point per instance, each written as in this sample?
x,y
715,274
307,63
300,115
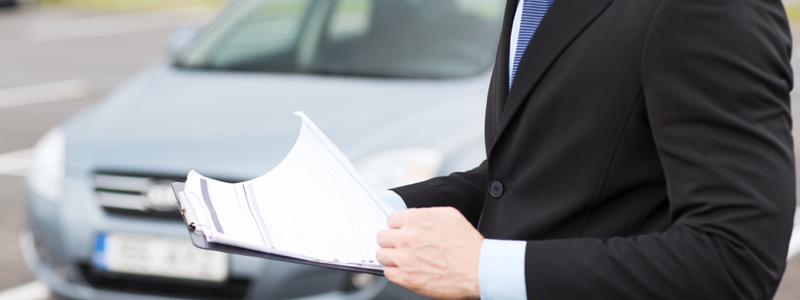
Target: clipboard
x,y
199,240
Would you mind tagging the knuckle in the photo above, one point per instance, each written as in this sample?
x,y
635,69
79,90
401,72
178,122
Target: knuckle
x,y
411,217
393,217
398,259
397,219
402,259
407,239
421,212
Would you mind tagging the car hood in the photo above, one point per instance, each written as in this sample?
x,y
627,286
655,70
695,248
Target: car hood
x,y
238,125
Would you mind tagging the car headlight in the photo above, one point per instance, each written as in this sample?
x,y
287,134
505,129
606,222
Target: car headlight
x,y
399,167
46,176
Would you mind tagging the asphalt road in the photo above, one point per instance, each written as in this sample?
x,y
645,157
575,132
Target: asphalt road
x,y
63,59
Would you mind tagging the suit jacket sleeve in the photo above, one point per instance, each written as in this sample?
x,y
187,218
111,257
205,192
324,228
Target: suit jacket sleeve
x,y
716,78
462,190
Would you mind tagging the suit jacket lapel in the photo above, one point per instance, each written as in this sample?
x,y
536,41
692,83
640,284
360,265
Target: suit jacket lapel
x,y
563,22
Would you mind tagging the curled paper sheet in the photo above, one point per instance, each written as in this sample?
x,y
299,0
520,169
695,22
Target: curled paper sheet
x,y
313,206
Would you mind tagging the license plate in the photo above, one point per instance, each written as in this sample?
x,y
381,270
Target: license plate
x,y
158,256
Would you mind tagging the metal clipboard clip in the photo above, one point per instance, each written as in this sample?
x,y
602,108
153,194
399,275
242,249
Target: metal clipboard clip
x,y
192,209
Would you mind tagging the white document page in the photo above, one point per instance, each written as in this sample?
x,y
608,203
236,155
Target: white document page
x,y
313,205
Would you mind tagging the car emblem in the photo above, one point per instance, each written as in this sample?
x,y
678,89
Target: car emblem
x,y
160,197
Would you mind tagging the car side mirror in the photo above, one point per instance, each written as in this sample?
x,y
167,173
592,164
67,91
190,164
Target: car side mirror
x,y
179,39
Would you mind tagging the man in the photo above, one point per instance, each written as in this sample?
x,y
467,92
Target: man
x,y
636,149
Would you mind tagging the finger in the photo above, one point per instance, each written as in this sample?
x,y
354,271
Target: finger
x,y
395,275
388,238
386,257
398,218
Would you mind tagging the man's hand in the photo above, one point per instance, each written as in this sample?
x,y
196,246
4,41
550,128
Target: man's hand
x,y
432,251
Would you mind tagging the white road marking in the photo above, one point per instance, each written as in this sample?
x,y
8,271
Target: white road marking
x,y
109,25
43,92
15,163
35,290
794,243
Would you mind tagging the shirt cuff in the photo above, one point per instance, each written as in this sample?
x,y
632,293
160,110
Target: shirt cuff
x,y
501,270
393,199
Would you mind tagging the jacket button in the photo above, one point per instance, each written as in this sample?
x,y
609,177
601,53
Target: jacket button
x,y
495,188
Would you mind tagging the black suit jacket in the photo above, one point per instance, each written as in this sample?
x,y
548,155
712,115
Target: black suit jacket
x,y
644,151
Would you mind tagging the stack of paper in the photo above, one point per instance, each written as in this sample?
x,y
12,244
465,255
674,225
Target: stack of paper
x,y
313,206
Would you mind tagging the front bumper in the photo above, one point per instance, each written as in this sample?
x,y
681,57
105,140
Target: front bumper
x,y
60,285
58,245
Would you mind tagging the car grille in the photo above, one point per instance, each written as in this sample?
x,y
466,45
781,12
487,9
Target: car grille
x,y
137,195
232,289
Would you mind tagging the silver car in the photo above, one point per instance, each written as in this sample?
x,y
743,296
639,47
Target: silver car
x,y
398,85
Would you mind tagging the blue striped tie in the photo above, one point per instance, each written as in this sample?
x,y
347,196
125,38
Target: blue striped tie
x,y
532,13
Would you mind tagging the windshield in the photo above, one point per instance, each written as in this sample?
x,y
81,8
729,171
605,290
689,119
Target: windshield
x,y
376,38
